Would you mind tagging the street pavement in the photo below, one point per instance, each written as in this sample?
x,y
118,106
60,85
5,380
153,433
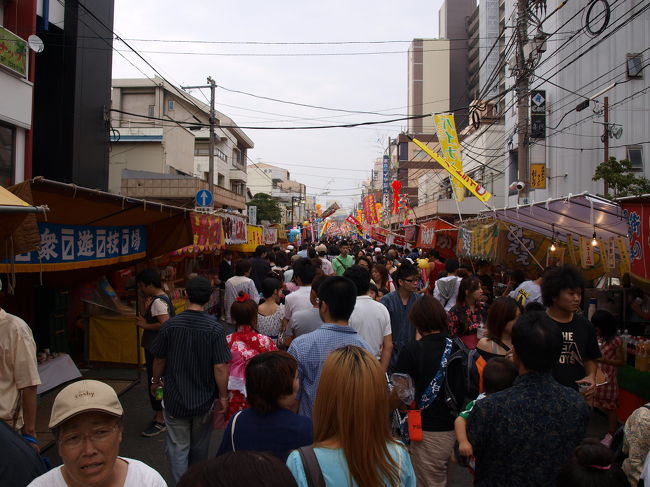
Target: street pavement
x,y
137,414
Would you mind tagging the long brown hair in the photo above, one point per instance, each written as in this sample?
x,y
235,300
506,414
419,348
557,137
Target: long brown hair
x,y
354,411
383,272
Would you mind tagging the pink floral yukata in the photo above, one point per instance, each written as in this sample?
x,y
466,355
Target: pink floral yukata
x,y
244,344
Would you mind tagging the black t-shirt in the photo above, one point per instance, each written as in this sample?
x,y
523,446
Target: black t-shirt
x,y
579,345
421,360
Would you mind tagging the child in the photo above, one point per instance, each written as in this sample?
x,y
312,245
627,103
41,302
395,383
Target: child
x,y
591,465
606,396
498,374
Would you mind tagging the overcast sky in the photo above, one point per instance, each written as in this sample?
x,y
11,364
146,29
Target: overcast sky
x,y
333,159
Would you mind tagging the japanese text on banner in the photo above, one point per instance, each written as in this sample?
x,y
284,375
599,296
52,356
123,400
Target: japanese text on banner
x,y
446,130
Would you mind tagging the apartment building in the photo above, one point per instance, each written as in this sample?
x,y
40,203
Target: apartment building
x,y
147,138
276,182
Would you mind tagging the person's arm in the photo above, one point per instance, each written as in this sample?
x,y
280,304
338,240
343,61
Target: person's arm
x,y
221,372
619,358
157,310
464,446
590,378
386,352
29,413
157,373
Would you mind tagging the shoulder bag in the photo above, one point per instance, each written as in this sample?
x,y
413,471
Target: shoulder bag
x,y
312,468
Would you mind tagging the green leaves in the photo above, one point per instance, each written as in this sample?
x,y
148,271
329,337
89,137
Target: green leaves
x,y
620,178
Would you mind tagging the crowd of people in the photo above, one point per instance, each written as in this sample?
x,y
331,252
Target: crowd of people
x,y
304,369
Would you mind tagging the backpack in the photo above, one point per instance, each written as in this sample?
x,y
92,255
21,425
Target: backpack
x,y
463,378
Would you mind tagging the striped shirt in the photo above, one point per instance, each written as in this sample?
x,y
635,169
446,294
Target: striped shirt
x,y
311,350
192,343
234,286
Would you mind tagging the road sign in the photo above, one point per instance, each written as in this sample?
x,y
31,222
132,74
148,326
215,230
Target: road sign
x,y
204,198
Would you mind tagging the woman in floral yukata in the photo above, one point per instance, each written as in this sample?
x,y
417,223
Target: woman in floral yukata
x,y
244,344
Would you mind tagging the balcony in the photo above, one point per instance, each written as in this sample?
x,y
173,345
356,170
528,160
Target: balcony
x,y
238,175
175,189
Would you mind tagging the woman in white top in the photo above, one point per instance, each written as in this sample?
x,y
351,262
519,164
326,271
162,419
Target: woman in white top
x,y
270,313
352,440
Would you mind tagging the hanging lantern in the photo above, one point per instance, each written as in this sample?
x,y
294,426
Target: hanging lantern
x,y
396,185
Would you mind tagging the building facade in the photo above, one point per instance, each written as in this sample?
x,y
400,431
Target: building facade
x,y
147,138
290,195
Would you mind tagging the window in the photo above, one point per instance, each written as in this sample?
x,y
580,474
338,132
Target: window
x,y
635,156
635,66
7,155
152,109
221,180
171,105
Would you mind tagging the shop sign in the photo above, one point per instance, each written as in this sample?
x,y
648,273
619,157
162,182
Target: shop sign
x,y
538,176
638,233
586,253
255,237
234,229
13,52
538,114
270,236
65,247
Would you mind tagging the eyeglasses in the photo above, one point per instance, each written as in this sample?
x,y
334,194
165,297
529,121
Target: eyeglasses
x,y
100,435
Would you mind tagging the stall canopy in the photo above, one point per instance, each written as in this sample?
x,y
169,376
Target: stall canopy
x,y
14,212
87,228
579,215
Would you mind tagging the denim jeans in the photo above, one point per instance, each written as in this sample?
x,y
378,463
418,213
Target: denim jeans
x,y
187,441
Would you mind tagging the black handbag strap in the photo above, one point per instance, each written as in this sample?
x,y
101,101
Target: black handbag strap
x,y
312,468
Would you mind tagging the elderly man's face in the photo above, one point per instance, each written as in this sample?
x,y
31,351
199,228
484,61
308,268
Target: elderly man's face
x,y
89,445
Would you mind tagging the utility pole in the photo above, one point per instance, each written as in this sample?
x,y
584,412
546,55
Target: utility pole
x,y
522,95
606,139
212,122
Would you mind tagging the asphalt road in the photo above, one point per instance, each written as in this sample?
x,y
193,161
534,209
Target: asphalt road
x,y
152,450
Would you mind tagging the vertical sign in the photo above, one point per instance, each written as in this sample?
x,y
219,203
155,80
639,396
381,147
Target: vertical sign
x,y
538,176
385,184
252,215
450,145
538,114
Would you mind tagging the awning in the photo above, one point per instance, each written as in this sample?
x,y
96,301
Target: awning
x,y
14,212
167,227
579,215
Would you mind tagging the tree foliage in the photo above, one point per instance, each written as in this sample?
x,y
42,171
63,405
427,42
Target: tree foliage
x,y
267,208
620,178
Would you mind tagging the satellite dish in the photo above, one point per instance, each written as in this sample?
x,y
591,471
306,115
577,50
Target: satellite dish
x,y
35,43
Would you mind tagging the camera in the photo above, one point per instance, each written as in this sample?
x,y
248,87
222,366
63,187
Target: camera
x,y
517,186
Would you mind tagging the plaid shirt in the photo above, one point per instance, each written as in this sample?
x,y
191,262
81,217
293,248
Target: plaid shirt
x,y
311,350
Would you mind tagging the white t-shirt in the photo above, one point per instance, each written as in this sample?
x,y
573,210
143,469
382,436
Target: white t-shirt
x,y
138,474
371,320
159,307
297,300
527,292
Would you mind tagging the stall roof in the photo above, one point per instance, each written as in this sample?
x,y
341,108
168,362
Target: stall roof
x,y
578,215
169,227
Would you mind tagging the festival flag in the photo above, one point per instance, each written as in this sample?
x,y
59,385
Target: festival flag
x,y
476,189
330,210
448,137
356,224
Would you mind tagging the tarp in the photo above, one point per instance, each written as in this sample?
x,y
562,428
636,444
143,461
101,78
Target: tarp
x,y
168,227
578,215
15,212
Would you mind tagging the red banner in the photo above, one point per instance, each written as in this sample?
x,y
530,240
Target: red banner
x,y
440,235
370,209
379,234
356,224
638,220
208,236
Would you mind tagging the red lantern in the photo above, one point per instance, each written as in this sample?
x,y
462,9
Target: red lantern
x,y
396,187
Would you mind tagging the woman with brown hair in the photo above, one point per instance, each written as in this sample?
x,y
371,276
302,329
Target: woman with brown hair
x,y
425,361
352,440
469,312
381,278
244,344
500,319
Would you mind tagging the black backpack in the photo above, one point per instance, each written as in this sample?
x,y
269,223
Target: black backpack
x,y
462,380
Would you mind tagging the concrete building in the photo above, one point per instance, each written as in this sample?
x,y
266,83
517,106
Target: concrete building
x,y
276,182
428,82
584,66
159,145
483,50
17,22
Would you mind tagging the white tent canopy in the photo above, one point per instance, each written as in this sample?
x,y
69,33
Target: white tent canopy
x,y
579,215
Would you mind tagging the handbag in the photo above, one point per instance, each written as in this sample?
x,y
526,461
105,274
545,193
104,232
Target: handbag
x,y
311,466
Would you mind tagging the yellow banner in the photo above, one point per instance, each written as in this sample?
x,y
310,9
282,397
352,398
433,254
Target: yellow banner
x,y
448,137
625,255
572,250
586,253
476,189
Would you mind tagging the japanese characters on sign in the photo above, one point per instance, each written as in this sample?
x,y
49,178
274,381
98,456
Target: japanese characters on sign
x,y
270,236
234,229
13,52
370,209
446,130
65,247
538,176
538,114
476,189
